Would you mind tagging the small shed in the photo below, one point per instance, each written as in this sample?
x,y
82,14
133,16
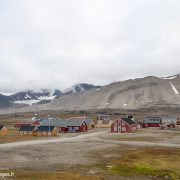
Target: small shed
x,y
123,125
3,130
27,130
46,131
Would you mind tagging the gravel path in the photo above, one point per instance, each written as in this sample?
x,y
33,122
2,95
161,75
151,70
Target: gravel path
x,y
51,140
92,136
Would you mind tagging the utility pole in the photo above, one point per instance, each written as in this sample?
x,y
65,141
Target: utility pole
x,y
49,133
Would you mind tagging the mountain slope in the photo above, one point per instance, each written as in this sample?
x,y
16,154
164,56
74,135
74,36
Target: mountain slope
x,y
5,101
130,94
79,88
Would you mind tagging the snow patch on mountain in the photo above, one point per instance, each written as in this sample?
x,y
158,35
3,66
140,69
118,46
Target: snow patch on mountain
x,y
28,102
6,93
174,88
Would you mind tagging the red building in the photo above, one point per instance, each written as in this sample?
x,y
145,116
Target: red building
x,y
72,125
123,125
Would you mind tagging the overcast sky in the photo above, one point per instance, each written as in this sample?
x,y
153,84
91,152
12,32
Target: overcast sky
x,y
58,43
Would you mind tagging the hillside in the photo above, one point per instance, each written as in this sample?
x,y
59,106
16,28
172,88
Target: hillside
x,y
130,94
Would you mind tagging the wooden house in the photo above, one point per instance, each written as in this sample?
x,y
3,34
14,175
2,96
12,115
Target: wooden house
x,y
27,130
90,122
3,130
123,125
73,125
152,121
66,125
46,131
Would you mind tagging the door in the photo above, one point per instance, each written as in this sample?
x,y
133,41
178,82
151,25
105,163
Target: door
x,y
119,127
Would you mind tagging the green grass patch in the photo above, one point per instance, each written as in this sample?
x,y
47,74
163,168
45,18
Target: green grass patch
x,y
135,170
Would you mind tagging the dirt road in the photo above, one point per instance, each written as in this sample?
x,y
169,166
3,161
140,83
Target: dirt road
x,y
51,140
96,136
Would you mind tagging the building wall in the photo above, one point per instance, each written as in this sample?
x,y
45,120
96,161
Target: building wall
x,y
100,124
153,124
46,133
83,128
90,126
63,129
26,133
119,126
122,127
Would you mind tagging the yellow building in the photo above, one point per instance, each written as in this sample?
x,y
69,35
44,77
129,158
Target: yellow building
x,y
3,130
46,131
27,130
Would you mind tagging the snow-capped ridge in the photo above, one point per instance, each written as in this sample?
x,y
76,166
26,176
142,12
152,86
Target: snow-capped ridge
x,y
171,77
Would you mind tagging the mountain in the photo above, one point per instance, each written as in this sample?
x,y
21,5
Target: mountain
x,y
79,88
31,97
131,94
44,96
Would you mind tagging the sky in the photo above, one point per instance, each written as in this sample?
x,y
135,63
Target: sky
x,y
58,43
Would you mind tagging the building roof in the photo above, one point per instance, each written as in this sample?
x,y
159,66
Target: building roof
x,y
27,128
72,122
89,121
1,127
169,118
78,117
24,123
128,121
153,117
45,128
63,122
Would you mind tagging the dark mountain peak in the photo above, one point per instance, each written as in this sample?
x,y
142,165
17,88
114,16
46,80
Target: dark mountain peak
x,y
80,88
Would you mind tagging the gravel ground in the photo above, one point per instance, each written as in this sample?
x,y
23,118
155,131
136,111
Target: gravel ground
x,y
82,149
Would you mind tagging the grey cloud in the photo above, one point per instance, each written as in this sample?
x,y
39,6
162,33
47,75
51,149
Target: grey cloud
x,y
57,43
